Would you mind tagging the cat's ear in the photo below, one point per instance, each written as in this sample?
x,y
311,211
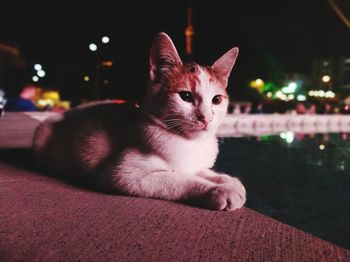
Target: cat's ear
x,y
223,66
163,55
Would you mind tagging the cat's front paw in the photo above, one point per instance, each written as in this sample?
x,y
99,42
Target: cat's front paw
x,y
228,196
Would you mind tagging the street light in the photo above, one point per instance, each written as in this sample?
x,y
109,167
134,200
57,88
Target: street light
x,y
41,73
38,67
93,47
105,39
326,78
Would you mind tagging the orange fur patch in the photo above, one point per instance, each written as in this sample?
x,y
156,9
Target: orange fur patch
x,y
186,77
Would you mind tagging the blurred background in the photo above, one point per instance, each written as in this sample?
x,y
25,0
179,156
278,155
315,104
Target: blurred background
x,y
294,55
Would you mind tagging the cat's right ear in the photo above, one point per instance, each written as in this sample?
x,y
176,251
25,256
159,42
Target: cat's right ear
x,y
163,55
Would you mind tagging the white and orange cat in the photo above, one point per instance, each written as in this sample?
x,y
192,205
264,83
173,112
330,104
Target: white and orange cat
x,y
165,149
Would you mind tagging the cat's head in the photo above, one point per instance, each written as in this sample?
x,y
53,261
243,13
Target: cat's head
x,y
188,99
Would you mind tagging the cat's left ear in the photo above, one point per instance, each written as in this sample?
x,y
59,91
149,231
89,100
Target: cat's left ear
x,y
223,66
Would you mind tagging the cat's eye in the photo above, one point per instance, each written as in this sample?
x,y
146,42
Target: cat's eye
x,y
186,96
217,99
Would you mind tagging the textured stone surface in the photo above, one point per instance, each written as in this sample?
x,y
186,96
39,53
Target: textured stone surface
x,y
45,219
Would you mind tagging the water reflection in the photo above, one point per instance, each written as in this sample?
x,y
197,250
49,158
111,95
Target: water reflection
x,y
329,149
300,179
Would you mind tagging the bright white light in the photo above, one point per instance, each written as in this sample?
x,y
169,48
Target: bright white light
x,y
289,137
93,47
301,98
38,67
105,39
326,78
290,96
41,73
321,93
269,94
292,86
283,135
279,94
35,78
330,94
42,102
258,81
311,93
322,147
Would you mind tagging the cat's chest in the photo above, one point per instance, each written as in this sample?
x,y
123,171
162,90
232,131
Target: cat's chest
x,y
191,156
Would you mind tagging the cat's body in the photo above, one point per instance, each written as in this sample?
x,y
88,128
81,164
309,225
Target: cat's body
x,y
164,149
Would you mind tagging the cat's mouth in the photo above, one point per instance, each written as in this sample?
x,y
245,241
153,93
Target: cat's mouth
x,y
199,126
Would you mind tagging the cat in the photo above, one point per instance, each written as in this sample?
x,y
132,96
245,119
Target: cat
x,y
163,149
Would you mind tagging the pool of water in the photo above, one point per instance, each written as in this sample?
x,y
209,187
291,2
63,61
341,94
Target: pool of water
x,y
301,180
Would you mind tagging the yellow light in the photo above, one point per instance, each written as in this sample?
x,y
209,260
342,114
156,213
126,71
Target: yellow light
x,y
107,63
269,94
86,78
326,78
51,95
257,84
65,104
322,147
259,81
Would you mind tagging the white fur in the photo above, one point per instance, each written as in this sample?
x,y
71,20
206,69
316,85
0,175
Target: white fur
x,y
164,152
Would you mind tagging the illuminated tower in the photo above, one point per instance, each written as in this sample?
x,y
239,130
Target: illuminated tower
x,y
189,32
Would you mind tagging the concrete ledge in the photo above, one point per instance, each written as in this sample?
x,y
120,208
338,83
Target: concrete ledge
x,y
45,219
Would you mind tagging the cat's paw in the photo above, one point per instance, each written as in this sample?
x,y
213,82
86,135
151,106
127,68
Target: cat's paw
x,y
228,196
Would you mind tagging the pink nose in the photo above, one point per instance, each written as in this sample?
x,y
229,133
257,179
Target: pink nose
x,y
202,119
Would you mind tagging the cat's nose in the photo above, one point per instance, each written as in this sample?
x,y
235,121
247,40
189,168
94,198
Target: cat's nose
x,y
202,119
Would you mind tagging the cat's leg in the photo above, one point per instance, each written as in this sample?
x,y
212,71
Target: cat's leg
x,y
217,178
149,176
192,189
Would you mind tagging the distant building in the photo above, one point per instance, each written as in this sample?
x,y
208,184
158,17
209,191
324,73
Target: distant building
x,y
332,73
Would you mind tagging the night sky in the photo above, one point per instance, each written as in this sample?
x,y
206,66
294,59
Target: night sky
x,y
273,36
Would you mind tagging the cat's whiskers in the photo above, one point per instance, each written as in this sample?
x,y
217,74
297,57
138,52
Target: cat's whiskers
x,y
175,124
